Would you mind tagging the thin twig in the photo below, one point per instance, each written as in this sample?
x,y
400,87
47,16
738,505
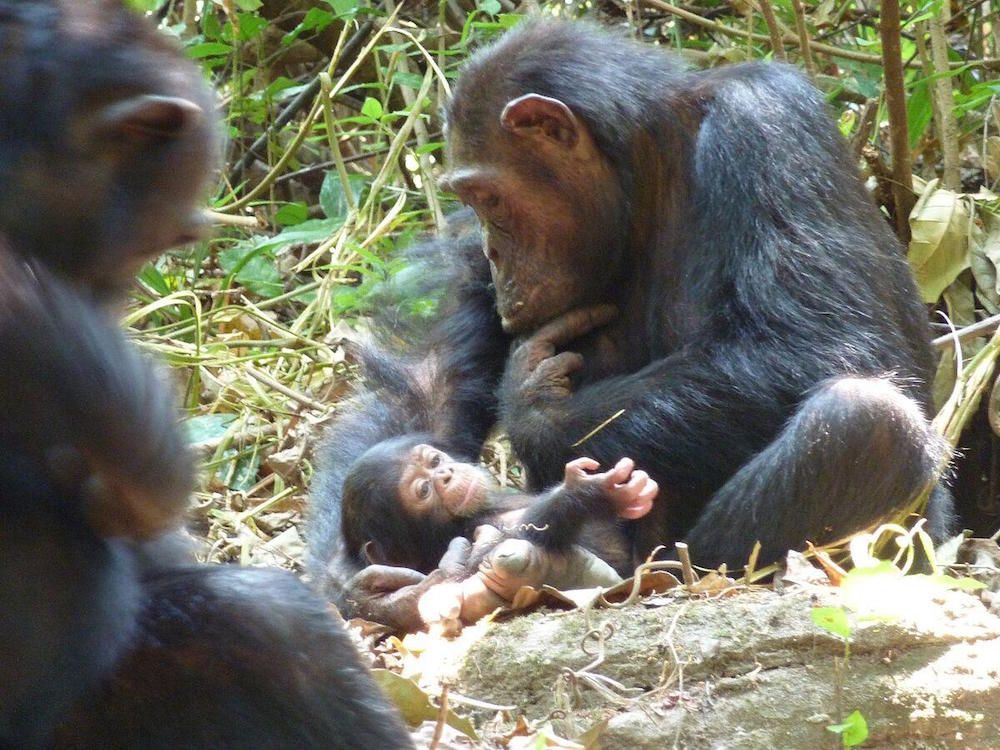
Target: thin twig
x,y
302,99
777,48
282,388
597,429
800,27
984,327
442,719
687,570
825,49
214,217
866,123
902,170
941,87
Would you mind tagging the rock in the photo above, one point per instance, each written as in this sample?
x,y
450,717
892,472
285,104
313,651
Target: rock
x,y
752,670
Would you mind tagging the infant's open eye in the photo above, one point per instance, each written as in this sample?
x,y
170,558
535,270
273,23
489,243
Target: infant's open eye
x,y
424,490
435,460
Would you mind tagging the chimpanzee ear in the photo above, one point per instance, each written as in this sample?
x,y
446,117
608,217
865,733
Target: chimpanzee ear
x,y
541,116
145,118
373,553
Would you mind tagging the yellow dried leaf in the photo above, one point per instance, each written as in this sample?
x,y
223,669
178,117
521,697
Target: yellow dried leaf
x,y
939,249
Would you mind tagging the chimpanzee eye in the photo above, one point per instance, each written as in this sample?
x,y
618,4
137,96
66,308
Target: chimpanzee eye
x,y
424,490
436,460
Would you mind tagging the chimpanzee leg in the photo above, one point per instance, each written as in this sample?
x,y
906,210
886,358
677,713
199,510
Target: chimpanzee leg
x,y
857,450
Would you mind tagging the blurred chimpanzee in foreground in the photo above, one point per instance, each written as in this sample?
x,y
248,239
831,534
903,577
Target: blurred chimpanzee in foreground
x,y
769,365
107,139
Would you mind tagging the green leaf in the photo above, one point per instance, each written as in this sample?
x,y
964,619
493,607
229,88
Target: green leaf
x,y
249,4
251,26
317,19
154,280
209,49
291,214
833,620
919,111
415,705
314,19
882,568
144,5
211,26
306,233
405,78
510,20
853,731
283,86
245,475
331,194
372,109
205,427
492,7
254,268
345,8
428,148
962,584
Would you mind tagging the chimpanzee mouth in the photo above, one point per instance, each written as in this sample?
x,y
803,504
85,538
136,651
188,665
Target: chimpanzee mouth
x,y
510,313
470,489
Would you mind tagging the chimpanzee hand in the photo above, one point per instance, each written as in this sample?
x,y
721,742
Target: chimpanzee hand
x,y
463,598
535,372
631,492
388,595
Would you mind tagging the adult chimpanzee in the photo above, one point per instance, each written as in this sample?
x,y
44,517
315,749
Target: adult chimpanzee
x,y
770,359
107,137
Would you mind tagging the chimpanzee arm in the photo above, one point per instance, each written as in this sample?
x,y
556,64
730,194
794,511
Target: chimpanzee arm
x,y
673,417
556,520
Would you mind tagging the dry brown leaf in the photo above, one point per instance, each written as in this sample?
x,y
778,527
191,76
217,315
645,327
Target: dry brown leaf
x,y
939,250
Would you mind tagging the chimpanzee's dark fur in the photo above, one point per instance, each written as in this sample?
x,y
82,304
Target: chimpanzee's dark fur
x,y
462,351
106,639
771,357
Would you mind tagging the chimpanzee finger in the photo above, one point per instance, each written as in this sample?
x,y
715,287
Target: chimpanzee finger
x,y
575,323
618,474
528,354
485,534
582,465
641,503
634,483
559,366
456,557
380,578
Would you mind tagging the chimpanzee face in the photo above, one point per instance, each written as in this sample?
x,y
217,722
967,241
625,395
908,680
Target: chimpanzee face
x,y
543,192
432,483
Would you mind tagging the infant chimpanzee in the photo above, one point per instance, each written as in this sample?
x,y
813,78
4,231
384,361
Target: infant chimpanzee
x,y
405,496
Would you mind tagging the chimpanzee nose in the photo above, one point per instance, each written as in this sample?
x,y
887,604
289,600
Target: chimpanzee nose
x,y
443,474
